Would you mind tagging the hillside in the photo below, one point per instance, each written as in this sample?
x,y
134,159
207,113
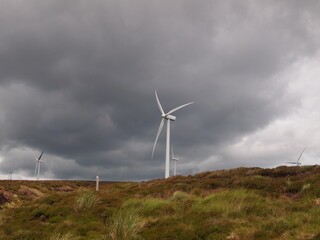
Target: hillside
x,y
242,203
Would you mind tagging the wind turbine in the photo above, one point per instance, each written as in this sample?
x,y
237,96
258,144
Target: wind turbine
x,y
297,162
174,160
37,170
168,117
10,174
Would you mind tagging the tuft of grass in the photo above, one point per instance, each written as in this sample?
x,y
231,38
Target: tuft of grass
x,y
66,236
180,196
125,225
86,200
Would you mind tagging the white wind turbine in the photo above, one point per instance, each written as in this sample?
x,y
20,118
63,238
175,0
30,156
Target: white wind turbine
x,y
168,117
10,175
174,160
297,162
37,170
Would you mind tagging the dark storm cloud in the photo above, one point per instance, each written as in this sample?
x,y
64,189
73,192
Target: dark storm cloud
x,y
78,78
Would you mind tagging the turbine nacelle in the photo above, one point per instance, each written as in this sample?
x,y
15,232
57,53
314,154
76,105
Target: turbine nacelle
x,y
169,117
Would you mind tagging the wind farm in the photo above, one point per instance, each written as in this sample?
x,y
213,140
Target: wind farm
x,y
237,195
130,210
159,120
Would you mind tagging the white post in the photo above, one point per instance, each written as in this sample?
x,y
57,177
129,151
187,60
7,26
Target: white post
x,y
97,183
175,167
167,173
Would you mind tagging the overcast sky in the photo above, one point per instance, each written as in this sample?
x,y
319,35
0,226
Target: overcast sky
x,y
77,80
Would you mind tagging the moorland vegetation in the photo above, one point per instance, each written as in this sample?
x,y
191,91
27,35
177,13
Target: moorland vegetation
x,y
242,203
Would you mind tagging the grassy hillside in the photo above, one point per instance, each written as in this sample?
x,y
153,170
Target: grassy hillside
x,y
243,203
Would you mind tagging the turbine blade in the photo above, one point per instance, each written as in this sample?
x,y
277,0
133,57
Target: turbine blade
x,y
301,155
159,104
40,155
158,134
177,108
292,162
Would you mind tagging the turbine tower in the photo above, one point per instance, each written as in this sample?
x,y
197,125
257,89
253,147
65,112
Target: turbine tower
x,y
297,162
174,160
168,117
37,170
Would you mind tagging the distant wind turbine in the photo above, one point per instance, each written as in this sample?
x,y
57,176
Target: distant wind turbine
x,y
174,160
37,170
297,162
168,117
10,175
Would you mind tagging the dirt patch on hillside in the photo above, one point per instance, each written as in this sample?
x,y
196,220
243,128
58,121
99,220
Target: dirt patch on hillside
x,y
290,196
3,199
31,193
64,189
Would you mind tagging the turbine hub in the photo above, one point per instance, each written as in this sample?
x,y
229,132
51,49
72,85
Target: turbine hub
x,y
170,117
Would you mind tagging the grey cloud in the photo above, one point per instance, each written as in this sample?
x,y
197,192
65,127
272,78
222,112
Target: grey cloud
x,y
77,78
